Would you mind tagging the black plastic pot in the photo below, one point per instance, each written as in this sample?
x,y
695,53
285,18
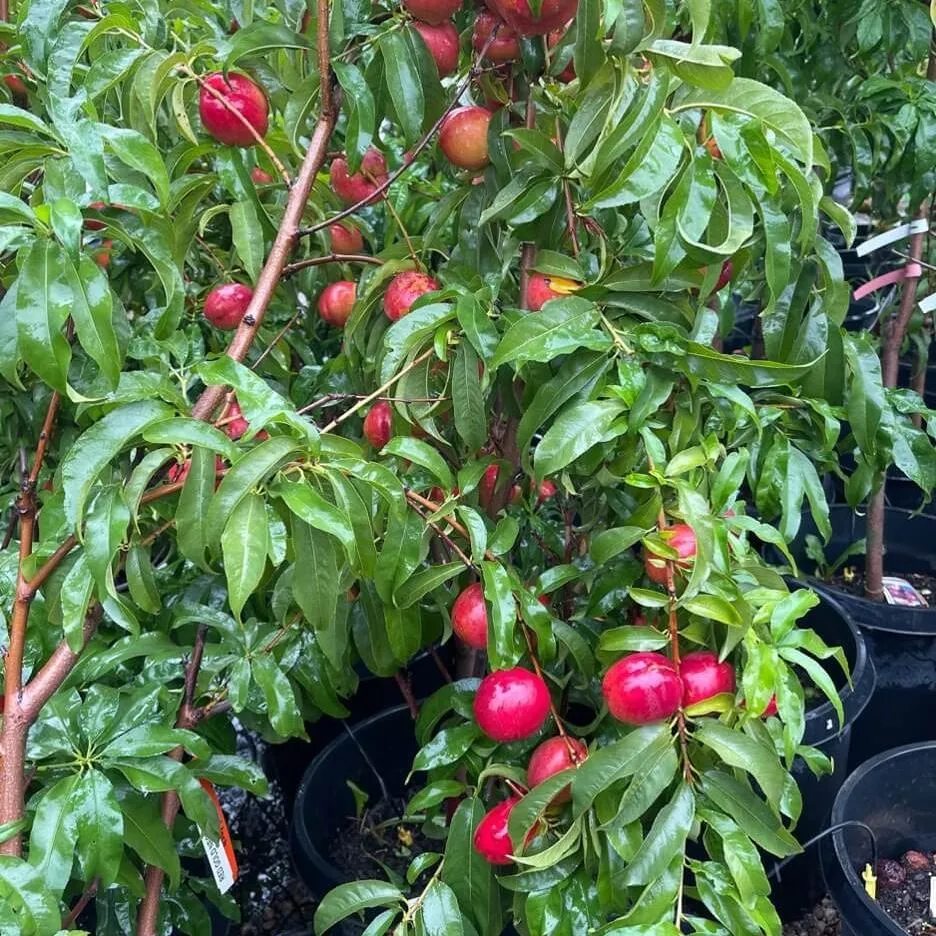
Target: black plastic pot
x,y
383,745
901,641
374,695
798,882
894,794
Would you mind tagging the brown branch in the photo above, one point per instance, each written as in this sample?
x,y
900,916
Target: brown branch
x,y
282,247
571,222
437,529
473,73
293,268
406,690
83,902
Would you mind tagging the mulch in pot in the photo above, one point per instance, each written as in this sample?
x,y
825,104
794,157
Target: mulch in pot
x,y
851,579
904,891
822,920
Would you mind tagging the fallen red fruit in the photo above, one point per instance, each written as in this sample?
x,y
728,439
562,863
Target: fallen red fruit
x,y
241,94
542,288
404,289
491,838
463,137
345,238
682,539
511,704
505,47
703,676
552,15
442,42
352,188
336,302
432,11
378,424
225,305
469,616
642,688
553,756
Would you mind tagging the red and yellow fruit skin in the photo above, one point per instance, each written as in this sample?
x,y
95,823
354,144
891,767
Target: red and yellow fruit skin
x,y
511,704
225,305
682,538
244,96
642,688
505,47
542,288
354,187
378,424
463,137
336,303
553,756
404,289
345,238
442,42
469,616
553,14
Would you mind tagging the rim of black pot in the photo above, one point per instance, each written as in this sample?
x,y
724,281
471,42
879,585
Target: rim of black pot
x,y
866,679
903,620
838,839
326,868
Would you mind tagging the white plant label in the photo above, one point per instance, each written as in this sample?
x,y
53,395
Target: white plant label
x,y
902,231
220,854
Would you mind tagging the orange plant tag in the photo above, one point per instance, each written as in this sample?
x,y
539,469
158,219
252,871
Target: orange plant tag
x,y
220,855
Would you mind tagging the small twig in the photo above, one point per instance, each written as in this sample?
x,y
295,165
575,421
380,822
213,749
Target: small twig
x,y
402,227
407,692
379,391
567,193
437,529
440,666
473,73
293,268
83,902
275,341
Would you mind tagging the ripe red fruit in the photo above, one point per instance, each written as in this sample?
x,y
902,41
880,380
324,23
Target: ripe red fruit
x,y
544,600
469,616
237,425
404,289
92,224
505,48
491,838
542,288
245,97
771,707
703,676
552,756
353,188
682,539
179,472
260,177
432,11
642,688
103,258
725,276
511,704
545,491
378,424
225,305
552,15
336,302
16,85
463,137
487,484
345,238
442,43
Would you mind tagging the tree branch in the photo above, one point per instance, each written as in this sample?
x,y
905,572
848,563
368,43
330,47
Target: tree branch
x,y
329,258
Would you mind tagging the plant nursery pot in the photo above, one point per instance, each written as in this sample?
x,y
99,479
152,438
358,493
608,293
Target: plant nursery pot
x,y
901,641
797,883
895,794
383,744
374,695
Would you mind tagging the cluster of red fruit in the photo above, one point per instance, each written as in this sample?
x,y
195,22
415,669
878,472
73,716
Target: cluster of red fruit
x,y
511,705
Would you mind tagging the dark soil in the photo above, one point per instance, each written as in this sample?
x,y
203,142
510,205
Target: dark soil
x,y
851,580
904,889
378,843
822,920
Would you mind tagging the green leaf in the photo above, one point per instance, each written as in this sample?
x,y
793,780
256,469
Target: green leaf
x,y
358,511
865,400
714,609
591,114
347,899
421,453
281,706
738,750
745,96
98,446
259,38
196,494
419,585
562,326
527,812
504,646
43,303
315,581
648,783
54,834
440,914
750,812
538,147
183,430
630,638
448,746
666,838
75,595
28,898
100,827
588,55
609,543
137,152
403,84
244,545
467,399
246,473
614,762
401,553
92,312
230,770
141,580
150,740
527,196
360,109
576,430
247,236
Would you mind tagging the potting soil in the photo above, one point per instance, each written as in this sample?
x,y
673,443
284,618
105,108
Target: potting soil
x,y
851,579
904,897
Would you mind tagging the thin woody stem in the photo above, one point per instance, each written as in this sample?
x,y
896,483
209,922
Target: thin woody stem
x,y
293,268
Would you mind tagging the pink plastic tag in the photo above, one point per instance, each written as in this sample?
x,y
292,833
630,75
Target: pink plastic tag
x,y
911,270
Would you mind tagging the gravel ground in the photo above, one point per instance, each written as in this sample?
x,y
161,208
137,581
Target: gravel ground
x,y
822,921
